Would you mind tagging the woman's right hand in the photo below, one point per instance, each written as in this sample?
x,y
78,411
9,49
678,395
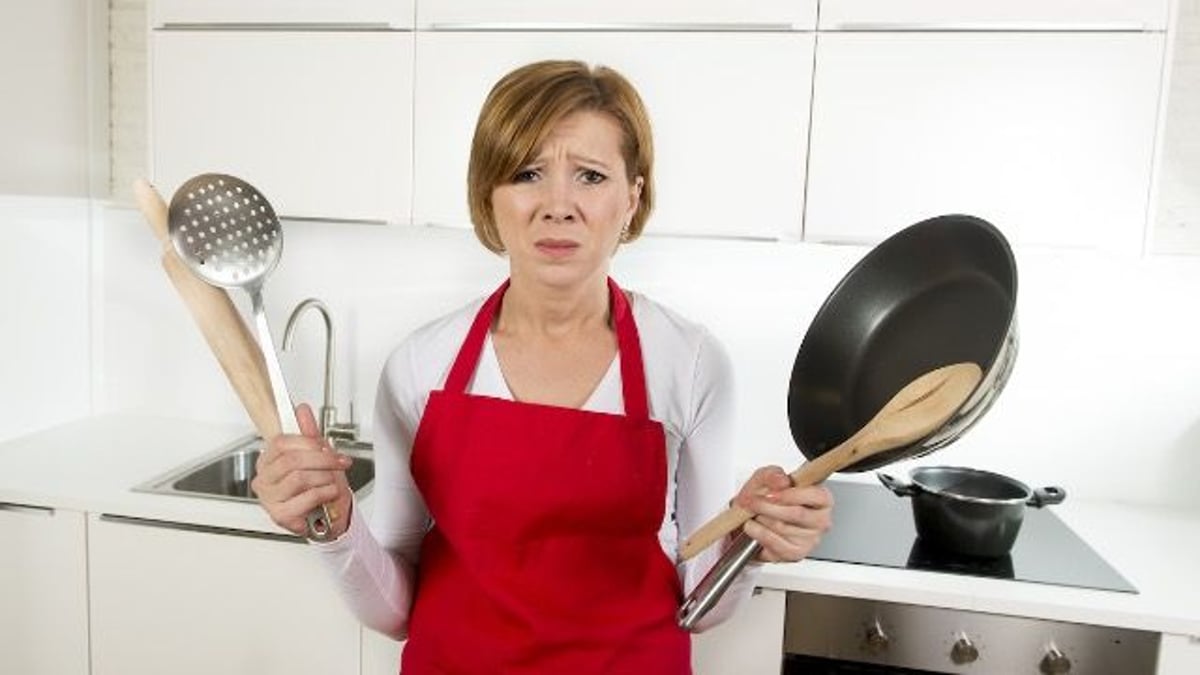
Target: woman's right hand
x,y
297,473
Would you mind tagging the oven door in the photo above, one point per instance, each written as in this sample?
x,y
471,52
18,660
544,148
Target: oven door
x,y
797,664
826,634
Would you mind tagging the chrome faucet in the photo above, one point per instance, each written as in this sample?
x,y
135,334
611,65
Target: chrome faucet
x,y
330,427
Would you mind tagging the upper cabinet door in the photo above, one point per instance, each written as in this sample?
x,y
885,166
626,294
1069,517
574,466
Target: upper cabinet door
x,y
729,112
993,15
389,13
1049,136
624,14
321,122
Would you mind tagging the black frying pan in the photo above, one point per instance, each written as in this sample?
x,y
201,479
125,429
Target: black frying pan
x,y
938,292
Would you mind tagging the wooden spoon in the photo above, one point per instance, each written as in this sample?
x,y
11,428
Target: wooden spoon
x,y
917,410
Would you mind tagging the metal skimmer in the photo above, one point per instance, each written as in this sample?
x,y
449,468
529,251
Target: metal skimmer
x,y
226,232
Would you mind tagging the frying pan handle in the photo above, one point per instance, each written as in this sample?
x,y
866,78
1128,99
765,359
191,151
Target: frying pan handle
x,y
1044,496
714,584
900,488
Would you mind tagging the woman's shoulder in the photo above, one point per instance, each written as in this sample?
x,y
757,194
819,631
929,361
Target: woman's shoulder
x,y
670,337
667,323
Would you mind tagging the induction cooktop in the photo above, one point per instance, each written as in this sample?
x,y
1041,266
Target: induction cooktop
x,y
873,526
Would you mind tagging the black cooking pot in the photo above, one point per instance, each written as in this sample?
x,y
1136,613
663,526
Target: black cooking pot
x,y
968,511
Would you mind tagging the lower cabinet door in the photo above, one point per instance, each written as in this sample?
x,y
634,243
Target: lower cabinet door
x,y
43,591
748,643
380,653
1179,655
181,600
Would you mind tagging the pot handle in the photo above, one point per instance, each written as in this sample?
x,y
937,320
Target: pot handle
x,y
1051,494
900,488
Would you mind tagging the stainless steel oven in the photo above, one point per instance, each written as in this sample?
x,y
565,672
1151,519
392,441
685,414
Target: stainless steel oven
x,y
825,635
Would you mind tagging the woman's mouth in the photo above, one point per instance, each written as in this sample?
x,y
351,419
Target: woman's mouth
x,y
556,248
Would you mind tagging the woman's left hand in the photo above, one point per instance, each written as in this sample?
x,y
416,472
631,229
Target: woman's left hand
x,y
789,520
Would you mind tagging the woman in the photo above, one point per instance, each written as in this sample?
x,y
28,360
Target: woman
x,y
540,454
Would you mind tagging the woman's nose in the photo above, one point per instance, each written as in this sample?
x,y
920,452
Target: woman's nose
x,y
559,200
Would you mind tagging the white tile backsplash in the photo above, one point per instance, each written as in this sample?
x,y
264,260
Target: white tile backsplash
x,y
45,337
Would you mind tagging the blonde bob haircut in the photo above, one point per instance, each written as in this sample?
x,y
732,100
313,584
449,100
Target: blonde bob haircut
x,y
521,110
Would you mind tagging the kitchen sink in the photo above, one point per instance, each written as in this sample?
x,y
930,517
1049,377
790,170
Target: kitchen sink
x,y
226,474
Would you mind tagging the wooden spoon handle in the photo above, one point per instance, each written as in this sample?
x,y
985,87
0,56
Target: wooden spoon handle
x,y
920,407
809,473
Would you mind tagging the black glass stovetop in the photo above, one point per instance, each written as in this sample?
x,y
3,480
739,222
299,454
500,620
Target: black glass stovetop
x,y
873,526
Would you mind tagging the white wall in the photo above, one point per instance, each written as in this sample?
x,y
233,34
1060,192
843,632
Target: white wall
x,y
45,267
1177,213
44,123
50,142
1104,399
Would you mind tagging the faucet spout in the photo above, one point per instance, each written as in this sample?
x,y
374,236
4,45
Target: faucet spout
x,y
328,410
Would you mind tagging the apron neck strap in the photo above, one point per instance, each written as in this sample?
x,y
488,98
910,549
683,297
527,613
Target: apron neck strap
x,y
633,378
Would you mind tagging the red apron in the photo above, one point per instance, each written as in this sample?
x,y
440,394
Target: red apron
x,y
544,554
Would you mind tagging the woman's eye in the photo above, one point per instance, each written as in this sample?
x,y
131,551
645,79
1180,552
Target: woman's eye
x,y
593,177
525,176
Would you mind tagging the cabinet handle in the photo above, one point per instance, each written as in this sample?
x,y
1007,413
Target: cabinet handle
x,y
992,27
204,529
27,508
282,27
633,26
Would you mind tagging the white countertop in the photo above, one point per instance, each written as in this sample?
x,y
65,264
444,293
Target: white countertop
x,y
92,464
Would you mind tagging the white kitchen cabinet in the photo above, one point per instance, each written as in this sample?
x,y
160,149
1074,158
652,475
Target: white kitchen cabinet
x,y
319,121
43,591
193,601
1049,136
624,14
1179,655
749,643
364,13
992,15
729,112
380,654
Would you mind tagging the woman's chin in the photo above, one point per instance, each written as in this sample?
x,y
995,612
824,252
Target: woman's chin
x,y
564,274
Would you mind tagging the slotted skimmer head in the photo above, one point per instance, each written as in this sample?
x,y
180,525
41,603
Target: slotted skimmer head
x,y
225,230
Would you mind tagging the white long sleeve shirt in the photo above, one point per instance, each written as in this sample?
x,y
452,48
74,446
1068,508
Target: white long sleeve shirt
x,y
690,389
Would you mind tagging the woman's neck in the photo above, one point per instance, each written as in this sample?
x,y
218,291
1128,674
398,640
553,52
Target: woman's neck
x,y
535,309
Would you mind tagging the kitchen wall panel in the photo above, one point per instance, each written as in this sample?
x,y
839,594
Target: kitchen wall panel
x,y
1176,225
45,118
45,345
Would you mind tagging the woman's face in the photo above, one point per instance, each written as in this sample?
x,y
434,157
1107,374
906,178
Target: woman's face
x,y
560,217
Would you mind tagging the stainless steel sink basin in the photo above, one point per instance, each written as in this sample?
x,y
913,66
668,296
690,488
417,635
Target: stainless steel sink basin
x,y
226,474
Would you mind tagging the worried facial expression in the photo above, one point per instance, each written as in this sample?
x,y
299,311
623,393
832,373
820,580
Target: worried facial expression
x,y
560,217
